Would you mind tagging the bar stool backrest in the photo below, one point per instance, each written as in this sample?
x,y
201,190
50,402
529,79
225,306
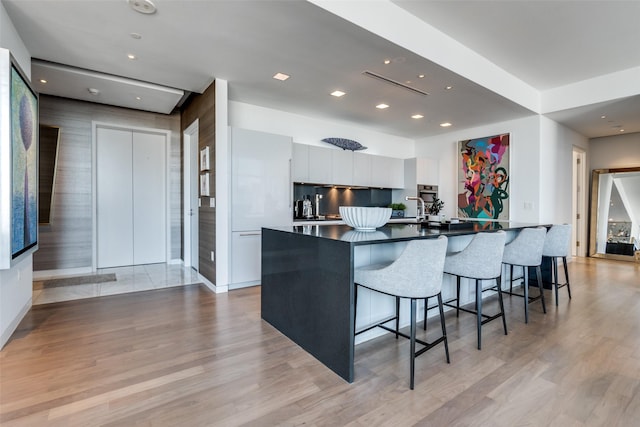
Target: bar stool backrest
x,y
558,241
416,273
526,248
481,259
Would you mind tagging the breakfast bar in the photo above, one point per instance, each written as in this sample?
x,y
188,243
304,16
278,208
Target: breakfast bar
x,y
308,280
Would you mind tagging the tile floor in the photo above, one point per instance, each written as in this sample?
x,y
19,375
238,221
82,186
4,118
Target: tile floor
x,y
129,279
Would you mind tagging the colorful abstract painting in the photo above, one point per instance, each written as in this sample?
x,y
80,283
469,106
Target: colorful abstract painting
x,y
24,164
483,178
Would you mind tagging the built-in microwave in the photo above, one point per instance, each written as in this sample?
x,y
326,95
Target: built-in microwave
x,y
427,192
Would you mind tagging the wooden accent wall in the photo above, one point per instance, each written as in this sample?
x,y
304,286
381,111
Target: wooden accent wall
x,y
202,107
67,242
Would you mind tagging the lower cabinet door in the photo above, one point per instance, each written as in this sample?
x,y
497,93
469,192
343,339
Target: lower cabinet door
x,y
245,256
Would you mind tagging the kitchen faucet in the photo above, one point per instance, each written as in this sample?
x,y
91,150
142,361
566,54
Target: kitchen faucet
x,y
420,216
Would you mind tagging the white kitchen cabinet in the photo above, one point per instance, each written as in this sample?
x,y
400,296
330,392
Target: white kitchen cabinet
x,y
341,167
261,196
245,258
387,172
300,163
362,169
396,173
320,170
427,171
261,189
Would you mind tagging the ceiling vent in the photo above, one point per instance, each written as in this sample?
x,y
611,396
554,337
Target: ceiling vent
x,y
393,82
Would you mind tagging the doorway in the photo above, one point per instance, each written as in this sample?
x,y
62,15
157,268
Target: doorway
x,y
190,191
578,233
130,197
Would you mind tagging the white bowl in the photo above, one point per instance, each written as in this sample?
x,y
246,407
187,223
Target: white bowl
x,y
363,219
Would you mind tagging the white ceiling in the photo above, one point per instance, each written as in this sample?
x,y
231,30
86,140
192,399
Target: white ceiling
x,y
187,44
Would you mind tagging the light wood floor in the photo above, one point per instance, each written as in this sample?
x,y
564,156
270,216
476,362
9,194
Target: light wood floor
x,y
187,357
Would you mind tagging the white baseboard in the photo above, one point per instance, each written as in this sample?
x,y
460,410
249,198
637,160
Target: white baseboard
x,y
14,324
217,289
233,286
176,261
48,274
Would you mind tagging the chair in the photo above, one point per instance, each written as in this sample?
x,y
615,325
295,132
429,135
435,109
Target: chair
x,y
480,260
526,251
556,245
416,274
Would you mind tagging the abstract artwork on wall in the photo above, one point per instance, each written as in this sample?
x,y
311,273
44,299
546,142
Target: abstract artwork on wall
x,y
483,178
24,165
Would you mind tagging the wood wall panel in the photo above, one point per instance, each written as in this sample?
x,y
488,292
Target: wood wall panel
x,y
202,107
67,241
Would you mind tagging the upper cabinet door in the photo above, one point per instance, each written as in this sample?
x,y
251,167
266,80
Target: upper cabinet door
x,y
300,163
362,169
342,167
396,173
427,171
320,170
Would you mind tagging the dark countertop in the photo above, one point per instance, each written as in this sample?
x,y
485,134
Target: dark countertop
x,y
397,232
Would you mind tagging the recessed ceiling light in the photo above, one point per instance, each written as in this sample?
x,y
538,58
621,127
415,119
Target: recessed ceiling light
x,y
43,81
281,76
408,82
621,130
143,6
417,116
131,56
421,76
387,61
93,91
337,93
603,117
448,87
138,98
445,124
382,106
136,36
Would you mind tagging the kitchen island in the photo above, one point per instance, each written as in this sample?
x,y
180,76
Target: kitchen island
x,y
307,281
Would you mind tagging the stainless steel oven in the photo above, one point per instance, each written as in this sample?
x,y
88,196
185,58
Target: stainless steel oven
x,y
427,193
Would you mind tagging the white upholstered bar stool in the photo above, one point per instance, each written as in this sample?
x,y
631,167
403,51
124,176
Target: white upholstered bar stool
x,y
556,245
417,275
480,260
526,251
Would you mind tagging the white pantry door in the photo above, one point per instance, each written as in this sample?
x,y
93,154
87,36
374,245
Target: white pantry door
x,y
131,197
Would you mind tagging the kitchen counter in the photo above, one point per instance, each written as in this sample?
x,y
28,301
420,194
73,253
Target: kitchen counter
x,y
331,221
307,281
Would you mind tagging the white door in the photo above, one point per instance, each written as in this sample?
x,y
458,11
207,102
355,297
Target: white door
x,y
193,197
149,198
114,203
130,197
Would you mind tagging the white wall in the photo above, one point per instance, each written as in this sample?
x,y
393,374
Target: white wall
x,y
620,151
15,283
540,171
311,131
556,170
524,139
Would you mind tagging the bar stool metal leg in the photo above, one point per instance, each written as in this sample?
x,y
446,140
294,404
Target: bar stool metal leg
x,y
539,276
397,315
479,310
504,318
412,340
566,274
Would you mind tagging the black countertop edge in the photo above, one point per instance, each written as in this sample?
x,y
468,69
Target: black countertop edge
x,y
396,232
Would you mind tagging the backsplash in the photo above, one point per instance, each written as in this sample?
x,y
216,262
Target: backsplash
x,y
332,197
